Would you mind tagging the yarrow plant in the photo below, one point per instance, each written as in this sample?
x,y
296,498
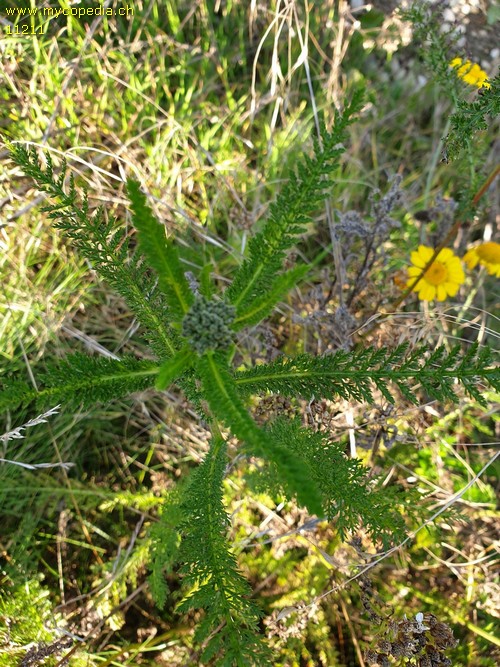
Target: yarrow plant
x,y
197,334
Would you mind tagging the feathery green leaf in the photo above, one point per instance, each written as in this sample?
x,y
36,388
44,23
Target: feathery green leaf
x,y
222,396
210,568
165,542
15,393
353,374
160,253
259,308
81,380
303,194
350,499
174,367
104,245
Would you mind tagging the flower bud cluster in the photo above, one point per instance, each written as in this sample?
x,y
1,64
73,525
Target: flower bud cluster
x,y
207,325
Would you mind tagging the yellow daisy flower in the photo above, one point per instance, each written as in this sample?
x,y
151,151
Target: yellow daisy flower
x,y
487,254
471,73
443,277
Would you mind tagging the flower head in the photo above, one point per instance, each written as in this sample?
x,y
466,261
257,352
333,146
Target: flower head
x,y
470,73
443,277
487,255
207,325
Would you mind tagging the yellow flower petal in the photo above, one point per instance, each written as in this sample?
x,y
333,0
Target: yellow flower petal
x,y
418,287
456,276
470,72
428,292
440,292
421,256
455,267
442,277
494,271
489,252
454,262
471,258
425,252
486,254
416,260
445,255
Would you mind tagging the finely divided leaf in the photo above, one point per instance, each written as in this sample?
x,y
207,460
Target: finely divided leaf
x,y
15,393
82,380
160,253
222,396
259,308
353,374
165,542
104,244
349,497
303,194
174,367
230,627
